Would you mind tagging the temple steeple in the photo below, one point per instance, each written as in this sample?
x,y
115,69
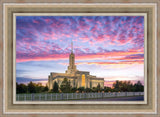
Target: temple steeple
x,y
72,67
71,47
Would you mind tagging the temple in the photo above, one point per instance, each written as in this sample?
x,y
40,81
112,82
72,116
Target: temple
x,y
77,78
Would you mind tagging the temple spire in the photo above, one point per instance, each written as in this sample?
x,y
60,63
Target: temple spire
x,y
71,46
72,67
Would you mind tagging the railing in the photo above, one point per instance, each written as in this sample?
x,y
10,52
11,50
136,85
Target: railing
x,y
72,96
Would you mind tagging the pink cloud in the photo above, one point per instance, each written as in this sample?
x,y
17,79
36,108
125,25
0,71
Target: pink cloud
x,y
47,20
35,21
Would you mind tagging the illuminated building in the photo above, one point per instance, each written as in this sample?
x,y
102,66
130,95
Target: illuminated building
x,y
77,78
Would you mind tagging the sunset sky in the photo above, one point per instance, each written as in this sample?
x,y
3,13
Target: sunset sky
x,y
111,47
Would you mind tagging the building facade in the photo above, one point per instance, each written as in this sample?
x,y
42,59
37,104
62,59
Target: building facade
x,y
77,78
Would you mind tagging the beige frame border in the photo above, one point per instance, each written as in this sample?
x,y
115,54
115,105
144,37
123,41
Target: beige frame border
x,y
155,66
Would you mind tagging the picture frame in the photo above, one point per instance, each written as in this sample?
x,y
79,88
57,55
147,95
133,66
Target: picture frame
x,y
9,107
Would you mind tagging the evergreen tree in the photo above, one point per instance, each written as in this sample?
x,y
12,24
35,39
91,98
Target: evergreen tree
x,y
65,86
55,87
98,87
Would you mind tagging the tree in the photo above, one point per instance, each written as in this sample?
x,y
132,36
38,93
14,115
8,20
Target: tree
x,y
124,86
81,89
107,89
129,86
116,86
88,90
138,86
55,87
65,86
45,89
21,88
74,89
94,89
98,87
32,87
39,88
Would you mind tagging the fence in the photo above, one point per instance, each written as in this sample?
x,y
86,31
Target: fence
x,y
72,96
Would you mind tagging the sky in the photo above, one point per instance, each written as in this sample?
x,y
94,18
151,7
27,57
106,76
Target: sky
x,y
109,47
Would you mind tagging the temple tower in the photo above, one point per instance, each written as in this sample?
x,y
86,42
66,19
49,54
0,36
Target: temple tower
x,y
72,67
